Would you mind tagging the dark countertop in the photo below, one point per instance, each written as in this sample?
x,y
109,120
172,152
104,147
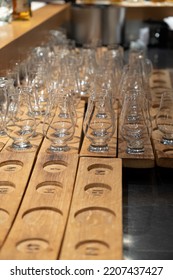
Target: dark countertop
x,y
148,213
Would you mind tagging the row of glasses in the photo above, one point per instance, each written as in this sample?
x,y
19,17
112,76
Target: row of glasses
x,y
23,90
60,117
56,74
61,95
135,101
99,122
61,69
164,116
19,119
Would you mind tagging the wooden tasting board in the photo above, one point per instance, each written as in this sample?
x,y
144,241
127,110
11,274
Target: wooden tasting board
x,y
94,228
160,81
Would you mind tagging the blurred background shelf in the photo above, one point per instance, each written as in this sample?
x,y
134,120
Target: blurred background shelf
x,y
128,4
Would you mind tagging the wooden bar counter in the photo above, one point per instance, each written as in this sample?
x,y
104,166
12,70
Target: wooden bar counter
x,y
18,37
137,9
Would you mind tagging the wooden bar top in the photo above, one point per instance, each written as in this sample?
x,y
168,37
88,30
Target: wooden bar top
x,y
128,4
141,10
18,37
16,29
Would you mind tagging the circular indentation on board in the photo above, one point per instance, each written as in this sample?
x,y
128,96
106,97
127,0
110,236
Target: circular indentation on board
x,y
161,88
159,82
164,87
155,87
97,189
36,216
11,165
92,248
160,72
34,245
155,128
95,215
49,187
6,187
158,94
55,166
168,151
4,215
155,106
100,169
163,116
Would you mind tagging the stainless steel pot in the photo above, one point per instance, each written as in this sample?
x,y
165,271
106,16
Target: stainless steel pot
x,y
99,23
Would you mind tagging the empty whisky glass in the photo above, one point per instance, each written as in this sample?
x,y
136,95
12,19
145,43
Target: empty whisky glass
x,y
99,122
6,10
19,126
133,127
38,82
59,128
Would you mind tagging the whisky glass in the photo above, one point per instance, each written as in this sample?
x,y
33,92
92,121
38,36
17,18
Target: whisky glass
x,y
40,94
164,118
99,123
19,126
132,125
6,10
59,128
87,70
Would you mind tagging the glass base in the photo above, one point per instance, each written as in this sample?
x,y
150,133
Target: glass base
x,y
99,133
21,146
61,134
3,133
98,148
101,115
63,115
34,113
135,150
166,141
55,149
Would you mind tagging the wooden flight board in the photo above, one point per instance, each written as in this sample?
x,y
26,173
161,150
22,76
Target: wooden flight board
x,y
160,82
94,228
15,170
39,227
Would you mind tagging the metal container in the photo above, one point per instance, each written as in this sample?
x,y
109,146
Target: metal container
x,y
113,25
104,24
